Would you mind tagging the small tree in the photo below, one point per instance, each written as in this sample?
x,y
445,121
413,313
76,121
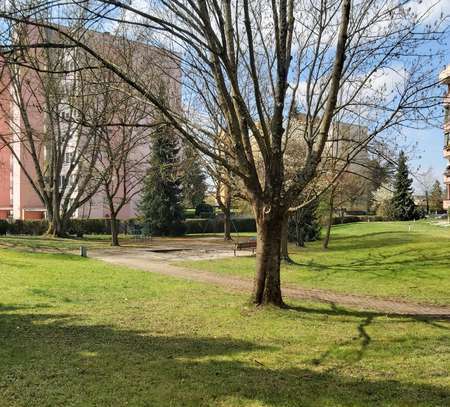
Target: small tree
x,y
303,225
161,201
436,200
403,203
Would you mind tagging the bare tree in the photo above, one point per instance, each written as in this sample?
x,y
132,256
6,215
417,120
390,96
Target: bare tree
x,y
49,101
253,62
124,148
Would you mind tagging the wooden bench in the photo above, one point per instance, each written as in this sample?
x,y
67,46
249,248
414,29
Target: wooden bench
x,y
249,244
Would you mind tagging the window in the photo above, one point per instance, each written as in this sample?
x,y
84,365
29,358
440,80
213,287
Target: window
x,y
68,158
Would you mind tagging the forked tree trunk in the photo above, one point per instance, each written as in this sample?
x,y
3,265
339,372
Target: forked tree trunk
x,y
114,232
267,288
56,227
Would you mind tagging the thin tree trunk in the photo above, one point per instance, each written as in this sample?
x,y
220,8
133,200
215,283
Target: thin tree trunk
x,y
285,242
114,231
326,240
224,203
267,287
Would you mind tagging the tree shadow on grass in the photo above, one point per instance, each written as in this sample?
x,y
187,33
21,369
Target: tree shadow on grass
x,y
51,359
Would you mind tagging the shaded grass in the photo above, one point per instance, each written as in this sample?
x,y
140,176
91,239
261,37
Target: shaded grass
x,y
77,332
391,259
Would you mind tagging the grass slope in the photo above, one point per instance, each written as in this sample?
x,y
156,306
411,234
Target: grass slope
x,y
76,332
390,259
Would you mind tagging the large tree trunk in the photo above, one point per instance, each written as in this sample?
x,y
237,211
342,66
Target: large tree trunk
x,y
267,288
114,231
56,226
285,242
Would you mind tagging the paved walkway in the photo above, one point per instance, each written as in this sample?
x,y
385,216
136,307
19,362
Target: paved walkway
x,y
157,262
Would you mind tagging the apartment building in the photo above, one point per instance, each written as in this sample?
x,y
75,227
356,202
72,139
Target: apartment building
x,y
445,79
18,198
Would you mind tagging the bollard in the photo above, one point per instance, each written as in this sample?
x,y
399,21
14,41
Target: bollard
x,y
83,251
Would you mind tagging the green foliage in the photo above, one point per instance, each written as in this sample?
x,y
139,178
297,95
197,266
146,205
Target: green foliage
x,y
436,197
204,210
403,204
193,178
303,225
161,200
27,227
238,225
4,227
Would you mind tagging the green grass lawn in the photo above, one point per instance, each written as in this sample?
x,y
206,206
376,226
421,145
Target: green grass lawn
x,y
391,259
77,332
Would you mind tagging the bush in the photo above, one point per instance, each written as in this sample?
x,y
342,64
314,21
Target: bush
x,y
28,227
204,210
4,227
80,227
199,226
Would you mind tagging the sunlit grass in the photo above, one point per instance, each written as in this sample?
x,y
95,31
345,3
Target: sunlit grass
x,y
77,332
399,259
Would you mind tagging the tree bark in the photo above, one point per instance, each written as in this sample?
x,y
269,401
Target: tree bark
x,y
56,226
114,231
267,287
285,242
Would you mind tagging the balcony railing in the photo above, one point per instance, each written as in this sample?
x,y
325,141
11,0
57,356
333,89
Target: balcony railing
x,y
447,152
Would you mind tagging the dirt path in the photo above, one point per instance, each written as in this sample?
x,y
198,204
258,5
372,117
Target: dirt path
x,y
145,261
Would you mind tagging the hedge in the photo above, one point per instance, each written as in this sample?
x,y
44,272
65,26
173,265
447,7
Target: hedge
x,y
81,227
351,219
199,226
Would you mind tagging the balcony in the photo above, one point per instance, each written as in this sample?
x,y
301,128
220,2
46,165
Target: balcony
x,y
446,99
447,152
444,77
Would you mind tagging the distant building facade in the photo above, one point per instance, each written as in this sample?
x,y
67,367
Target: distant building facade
x,y
18,199
445,79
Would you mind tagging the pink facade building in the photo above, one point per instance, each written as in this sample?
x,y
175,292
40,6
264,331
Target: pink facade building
x,y
18,198
445,79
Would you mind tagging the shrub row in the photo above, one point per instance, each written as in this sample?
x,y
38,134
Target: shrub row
x,y
23,227
103,226
198,226
351,219
193,226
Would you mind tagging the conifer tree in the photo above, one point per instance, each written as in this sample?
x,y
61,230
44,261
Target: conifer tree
x,y
161,200
403,204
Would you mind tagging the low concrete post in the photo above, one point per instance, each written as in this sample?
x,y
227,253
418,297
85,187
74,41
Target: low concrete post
x,y
83,251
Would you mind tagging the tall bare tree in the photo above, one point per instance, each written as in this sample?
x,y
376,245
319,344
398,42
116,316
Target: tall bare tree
x,y
247,64
49,101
